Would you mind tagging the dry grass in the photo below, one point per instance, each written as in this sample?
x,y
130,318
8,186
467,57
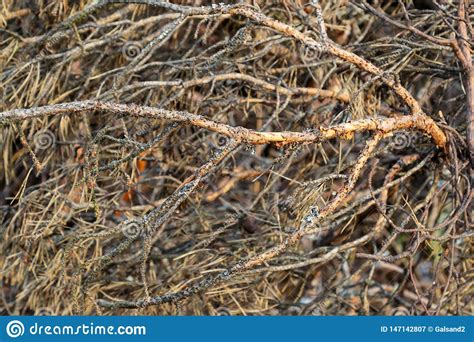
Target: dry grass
x,y
272,158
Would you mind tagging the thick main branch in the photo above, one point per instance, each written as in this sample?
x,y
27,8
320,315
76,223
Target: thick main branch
x,y
343,131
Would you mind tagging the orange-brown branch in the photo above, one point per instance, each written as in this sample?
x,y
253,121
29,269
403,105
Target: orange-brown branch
x,y
343,131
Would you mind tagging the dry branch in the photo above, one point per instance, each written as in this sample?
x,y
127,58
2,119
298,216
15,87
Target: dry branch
x,y
304,153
